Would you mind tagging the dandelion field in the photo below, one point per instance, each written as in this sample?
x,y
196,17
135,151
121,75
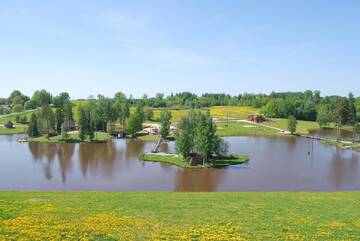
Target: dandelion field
x,y
179,216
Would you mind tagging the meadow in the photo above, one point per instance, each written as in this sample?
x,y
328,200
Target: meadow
x,y
179,216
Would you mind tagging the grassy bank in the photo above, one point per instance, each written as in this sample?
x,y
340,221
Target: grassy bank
x,y
179,216
233,128
342,144
302,127
179,161
73,138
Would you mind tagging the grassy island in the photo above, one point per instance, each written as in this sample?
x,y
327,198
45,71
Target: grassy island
x,y
221,161
73,138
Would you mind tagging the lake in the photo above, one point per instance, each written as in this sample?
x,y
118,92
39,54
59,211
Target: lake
x,y
276,164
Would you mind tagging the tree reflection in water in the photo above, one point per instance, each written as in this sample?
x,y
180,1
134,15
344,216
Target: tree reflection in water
x,y
344,167
206,180
97,158
46,154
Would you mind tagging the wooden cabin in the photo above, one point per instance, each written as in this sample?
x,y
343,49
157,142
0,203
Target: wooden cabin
x,y
194,160
256,118
9,125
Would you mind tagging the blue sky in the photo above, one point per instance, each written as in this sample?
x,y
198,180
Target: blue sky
x,y
90,47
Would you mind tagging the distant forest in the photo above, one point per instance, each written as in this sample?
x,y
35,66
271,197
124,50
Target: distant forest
x,y
308,105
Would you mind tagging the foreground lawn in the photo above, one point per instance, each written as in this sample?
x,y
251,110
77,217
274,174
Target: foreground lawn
x,y
179,216
176,160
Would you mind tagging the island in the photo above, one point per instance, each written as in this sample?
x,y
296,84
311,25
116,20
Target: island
x,y
177,160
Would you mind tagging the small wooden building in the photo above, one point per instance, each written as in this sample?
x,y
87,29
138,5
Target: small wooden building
x,y
194,160
9,125
256,118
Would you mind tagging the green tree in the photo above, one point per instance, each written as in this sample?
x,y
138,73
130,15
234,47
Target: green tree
x,y
83,126
221,146
352,109
341,114
149,114
110,127
64,130
106,110
23,119
205,138
165,117
41,98
33,129
134,123
16,98
122,107
323,116
184,138
292,123
59,119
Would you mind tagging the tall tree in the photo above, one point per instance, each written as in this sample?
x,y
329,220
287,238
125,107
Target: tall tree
x,y
292,122
352,109
135,121
33,129
64,131
205,138
165,117
341,114
122,107
184,138
323,116
83,126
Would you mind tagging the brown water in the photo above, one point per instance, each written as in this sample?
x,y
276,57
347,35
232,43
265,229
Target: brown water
x,y
277,164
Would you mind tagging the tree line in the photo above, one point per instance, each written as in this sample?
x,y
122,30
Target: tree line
x,y
103,112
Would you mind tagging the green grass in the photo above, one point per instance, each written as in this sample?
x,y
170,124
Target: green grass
x,y
12,116
303,127
179,161
73,138
237,112
179,216
243,129
18,129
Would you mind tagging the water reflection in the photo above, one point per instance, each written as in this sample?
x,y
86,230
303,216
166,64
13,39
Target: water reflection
x,y
344,168
46,154
97,157
206,180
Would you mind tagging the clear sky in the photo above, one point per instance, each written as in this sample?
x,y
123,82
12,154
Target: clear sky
x,y
90,47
